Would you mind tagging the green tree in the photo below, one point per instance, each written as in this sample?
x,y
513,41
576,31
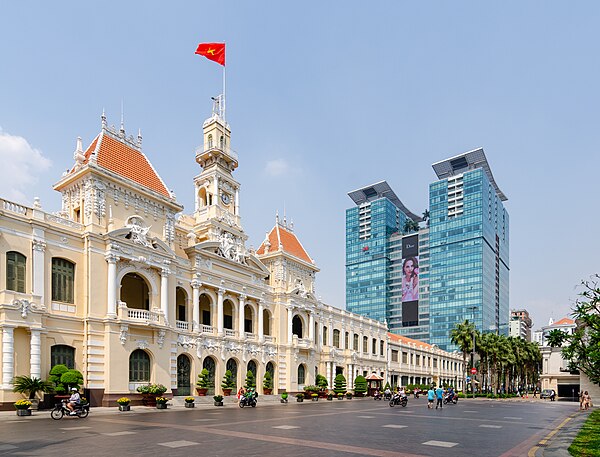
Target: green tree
x,y
268,380
321,382
556,338
72,378
31,386
426,217
203,379
583,346
55,374
228,381
410,226
360,384
462,336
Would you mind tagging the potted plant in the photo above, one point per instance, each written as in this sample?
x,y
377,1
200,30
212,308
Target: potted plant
x,y
300,397
228,383
250,380
203,382
268,383
54,377
161,402
349,395
314,396
71,378
360,386
123,403
31,386
284,397
189,402
218,400
150,392
22,407
340,396
322,384
340,386
329,396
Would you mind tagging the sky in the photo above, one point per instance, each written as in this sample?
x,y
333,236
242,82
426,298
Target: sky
x,y
324,98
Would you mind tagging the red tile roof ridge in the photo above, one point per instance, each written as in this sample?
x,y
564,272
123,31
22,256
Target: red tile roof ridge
x,y
564,321
406,339
282,240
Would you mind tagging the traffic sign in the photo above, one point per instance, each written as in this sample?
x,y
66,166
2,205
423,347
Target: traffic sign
x,y
468,378
473,370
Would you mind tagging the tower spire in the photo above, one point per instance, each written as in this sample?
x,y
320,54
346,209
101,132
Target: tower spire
x,y
122,130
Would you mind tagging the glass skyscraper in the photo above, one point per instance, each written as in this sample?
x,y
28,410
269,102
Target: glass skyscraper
x,y
424,283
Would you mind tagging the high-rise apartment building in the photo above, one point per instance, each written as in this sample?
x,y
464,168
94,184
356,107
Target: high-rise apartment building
x,y
456,268
520,324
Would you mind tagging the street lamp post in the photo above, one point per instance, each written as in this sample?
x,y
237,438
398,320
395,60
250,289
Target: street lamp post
x,y
473,308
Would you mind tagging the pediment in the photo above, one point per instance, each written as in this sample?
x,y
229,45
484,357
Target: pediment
x,y
156,244
216,248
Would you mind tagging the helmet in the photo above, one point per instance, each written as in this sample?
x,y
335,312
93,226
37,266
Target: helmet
x,y
73,389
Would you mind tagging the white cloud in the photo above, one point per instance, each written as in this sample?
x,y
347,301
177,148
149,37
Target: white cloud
x,y
21,166
277,167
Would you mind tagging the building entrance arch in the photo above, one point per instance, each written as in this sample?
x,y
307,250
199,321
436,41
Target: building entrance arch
x,y
184,368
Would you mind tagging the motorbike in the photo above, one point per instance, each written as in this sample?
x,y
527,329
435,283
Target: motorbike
x,y
247,401
377,396
60,410
398,399
451,398
387,396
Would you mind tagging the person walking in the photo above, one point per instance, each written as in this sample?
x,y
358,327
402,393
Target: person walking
x,y
430,397
587,400
581,400
439,394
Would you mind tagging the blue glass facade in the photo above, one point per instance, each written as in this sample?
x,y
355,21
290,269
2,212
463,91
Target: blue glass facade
x,y
469,264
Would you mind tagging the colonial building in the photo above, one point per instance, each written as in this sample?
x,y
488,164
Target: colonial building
x,y
124,287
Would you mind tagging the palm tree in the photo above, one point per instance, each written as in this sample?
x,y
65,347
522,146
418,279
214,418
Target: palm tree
x,y
462,336
556,338
31,386
410,226
426,217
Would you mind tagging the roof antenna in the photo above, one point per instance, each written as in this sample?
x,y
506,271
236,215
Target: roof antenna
x,y
122,131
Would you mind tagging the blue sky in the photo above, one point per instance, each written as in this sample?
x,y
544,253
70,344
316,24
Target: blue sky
x,y
323,98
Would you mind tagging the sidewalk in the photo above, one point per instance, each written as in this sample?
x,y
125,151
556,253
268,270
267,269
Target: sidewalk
x,y
559,443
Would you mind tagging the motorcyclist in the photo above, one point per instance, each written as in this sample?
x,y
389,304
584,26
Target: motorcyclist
x,y
388,393
74,400
402,392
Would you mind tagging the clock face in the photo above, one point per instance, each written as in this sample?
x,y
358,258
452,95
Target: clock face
x,y
225,198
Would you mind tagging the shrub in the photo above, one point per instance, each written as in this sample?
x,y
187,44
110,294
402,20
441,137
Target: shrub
x,y
339,384
311,389
268,380
360,384
72,378
321,382
189,399
152,389
228,381
218,398
314,395
123,401
284,395
250,380
55,374
161,400
300,395
203,379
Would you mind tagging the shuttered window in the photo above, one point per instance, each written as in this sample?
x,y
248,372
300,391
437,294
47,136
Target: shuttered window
x,y
15,271
63,281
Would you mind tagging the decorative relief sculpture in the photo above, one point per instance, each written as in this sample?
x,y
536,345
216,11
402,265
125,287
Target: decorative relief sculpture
x,y
186,342
170,227
138,231
231,247
161,338
124,333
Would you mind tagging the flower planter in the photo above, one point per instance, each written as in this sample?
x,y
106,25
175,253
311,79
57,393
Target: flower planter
x,y
329,398
315,398
340,398
201,392
149,399
189,405
24,412
124,407
227,392
267,391
284,400
161,406
299,400
218,403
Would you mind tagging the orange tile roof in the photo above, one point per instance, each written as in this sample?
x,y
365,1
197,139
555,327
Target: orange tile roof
x,y
279,235
564,321
120,158
405,340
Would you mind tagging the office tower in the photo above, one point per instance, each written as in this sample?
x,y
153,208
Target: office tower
x,y
372,242
468,246
520,324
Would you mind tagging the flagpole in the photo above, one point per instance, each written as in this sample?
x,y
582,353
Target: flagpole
x,y
224,87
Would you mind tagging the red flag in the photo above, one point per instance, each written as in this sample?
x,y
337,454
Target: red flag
x,y
212,51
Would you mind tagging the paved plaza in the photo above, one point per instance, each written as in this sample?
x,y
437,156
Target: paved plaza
x,y
337,428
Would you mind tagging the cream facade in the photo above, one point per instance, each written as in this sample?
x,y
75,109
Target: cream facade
x,y
123,286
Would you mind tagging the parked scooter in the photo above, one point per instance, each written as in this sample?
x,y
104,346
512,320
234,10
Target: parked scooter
x,y
398,399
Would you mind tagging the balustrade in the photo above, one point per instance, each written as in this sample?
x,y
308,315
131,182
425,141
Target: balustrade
x,y
183,325
229,332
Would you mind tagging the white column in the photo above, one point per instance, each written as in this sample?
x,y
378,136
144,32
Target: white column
x,y
237,202
39,248
112,285
328,374
311,327
164,293
8,361
215,191
220,311
241,316
260,322
351,376
35,359
196,305
289,325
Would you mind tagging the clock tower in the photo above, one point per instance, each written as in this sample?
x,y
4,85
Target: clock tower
x,y
216,213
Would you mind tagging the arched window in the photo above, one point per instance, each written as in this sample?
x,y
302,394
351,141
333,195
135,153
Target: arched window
x,y
301,374
139,366
209,364
15,271
233,367
181,304
324,336
297,326
270,368
365,344
63,281
355,345
347,341
336,338
62,354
